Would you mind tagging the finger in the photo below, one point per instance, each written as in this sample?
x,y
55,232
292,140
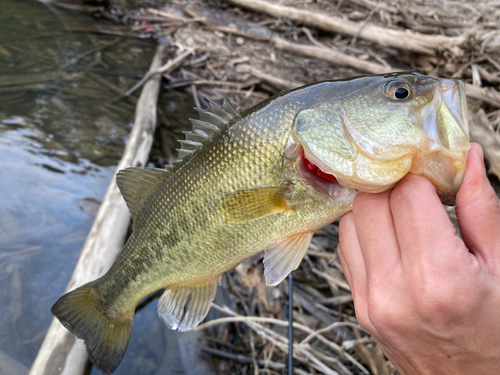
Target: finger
x,y
345,268
425,234
478,211
352,259
376,234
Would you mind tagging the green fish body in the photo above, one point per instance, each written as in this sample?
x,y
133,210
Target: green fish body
x,y
264,179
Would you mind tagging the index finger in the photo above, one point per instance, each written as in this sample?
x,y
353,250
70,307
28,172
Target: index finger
x,y
426,237
376,234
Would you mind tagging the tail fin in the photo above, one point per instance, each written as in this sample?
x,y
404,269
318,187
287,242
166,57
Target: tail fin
x,y
105,336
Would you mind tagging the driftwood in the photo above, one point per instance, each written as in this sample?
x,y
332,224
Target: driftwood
x,y
426,44
61,352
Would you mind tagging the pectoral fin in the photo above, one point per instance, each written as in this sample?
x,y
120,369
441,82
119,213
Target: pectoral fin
x,y
285,256
184,308
248,204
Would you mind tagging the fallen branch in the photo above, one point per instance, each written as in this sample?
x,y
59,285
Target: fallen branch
x,y
328,54
279,83
61,352
426,44
168,67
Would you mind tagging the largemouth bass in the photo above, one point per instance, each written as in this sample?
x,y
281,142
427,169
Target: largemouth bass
x,y
265,179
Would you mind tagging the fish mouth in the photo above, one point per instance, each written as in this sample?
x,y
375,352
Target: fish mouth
x,y
312,174
445,122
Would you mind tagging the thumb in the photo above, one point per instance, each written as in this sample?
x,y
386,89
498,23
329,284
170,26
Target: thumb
x,y
478,212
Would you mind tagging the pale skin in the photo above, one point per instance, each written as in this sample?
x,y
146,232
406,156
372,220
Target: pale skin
x,y
430,299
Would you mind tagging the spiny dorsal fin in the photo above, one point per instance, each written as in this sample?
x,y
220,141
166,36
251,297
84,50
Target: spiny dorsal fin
x,y
136,184
212,121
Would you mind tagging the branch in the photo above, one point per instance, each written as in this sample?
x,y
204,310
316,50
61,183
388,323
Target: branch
x,y
426,44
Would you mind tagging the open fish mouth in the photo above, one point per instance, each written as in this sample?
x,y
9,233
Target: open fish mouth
x,y
434,143
310,173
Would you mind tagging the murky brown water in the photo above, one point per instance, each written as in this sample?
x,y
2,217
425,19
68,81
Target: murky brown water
x,y
62,131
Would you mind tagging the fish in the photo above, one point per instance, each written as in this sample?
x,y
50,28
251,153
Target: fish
x,y
264,179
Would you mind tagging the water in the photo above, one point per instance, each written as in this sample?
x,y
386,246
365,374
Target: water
x,y
62,132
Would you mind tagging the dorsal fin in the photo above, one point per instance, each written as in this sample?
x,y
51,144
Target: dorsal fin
x,y
136,184
212,121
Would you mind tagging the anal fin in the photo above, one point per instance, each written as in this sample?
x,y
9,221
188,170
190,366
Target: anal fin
x,y
285,256
183,308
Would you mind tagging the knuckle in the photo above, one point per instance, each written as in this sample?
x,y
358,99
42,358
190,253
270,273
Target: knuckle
x,y
382,315
438,300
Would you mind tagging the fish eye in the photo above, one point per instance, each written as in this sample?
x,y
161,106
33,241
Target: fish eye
x,y
398,90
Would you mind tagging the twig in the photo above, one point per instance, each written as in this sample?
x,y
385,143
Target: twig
x,y
326,329
89,52
334,280
279,83
311,38
371,5
114,88
168,67
488,95
195,96
243,359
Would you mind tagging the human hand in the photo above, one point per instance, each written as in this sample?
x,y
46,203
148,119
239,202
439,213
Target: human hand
x,y
430,300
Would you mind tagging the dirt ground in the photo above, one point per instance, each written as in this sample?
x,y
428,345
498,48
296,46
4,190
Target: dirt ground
x,y
249,50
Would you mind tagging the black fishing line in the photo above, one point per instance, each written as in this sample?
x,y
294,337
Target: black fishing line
x,y
290,275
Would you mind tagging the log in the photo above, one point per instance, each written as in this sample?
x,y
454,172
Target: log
x,y
61,352
407,41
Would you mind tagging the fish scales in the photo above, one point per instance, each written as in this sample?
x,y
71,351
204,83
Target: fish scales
x,y
181,220
266,179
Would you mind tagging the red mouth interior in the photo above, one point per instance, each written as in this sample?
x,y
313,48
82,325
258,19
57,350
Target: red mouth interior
x,y
314,169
